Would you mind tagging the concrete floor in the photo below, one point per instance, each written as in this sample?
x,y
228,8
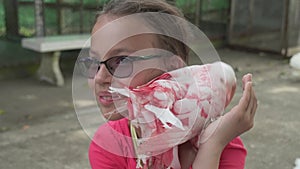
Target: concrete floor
x,y
39,127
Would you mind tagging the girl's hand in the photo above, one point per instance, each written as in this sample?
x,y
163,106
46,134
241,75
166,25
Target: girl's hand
x,y
237,121
240,118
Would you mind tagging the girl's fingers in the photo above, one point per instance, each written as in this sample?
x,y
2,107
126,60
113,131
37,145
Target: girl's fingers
x,y
252,100
251,108
255,102
250,113
245,100
246,78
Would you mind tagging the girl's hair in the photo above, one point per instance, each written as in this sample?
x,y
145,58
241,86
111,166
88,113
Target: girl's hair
x,y
127,7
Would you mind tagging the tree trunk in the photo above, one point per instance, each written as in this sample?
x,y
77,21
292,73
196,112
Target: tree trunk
x,y
11,18
39,18
198,12
59,17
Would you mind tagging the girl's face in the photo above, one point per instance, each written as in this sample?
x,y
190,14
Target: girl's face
x,y
143,70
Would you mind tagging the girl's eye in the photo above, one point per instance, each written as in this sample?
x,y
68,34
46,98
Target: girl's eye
x,y
121,60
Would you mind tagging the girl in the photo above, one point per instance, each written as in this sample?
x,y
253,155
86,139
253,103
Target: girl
x,y
112,146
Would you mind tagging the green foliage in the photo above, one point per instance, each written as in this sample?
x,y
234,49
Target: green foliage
x,y
26,0
50,21
26,20
208,5
71,16
26,16
189,6
2,24
2,31
95,2
51,1
71,1
26,31
88,21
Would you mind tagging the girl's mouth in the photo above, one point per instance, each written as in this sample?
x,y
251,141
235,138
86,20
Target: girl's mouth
x,y
109,99
105,100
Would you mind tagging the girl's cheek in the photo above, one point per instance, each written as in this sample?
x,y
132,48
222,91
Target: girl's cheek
x,y
145,76
137,79
91,83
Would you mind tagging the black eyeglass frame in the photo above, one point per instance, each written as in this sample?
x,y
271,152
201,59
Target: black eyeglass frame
x,y
109,68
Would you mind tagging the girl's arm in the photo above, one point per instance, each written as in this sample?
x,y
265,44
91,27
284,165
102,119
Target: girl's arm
x,y
239,120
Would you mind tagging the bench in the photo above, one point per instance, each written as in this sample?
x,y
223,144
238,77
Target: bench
x,y
50,48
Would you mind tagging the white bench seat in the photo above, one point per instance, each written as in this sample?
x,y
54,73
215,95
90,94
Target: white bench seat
x,y
50,48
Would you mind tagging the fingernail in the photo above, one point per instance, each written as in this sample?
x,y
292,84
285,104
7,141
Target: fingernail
x,y
250,76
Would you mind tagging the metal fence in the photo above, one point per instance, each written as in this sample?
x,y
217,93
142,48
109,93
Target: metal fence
x,y
77,16
268,25
60,16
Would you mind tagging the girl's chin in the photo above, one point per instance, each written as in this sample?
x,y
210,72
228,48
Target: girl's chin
x,y
110,113
113,117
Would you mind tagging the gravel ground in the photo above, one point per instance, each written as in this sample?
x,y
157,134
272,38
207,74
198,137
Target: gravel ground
x,y
39,127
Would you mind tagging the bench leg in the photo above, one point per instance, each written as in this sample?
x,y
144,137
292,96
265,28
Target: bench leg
x,y
49,69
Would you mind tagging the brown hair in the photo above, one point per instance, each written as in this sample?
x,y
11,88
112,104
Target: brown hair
x,y
127,7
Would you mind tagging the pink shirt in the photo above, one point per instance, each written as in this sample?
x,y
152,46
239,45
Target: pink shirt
x,y
116,150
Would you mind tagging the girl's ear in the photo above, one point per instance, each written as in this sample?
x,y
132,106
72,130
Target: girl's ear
x,y
174,62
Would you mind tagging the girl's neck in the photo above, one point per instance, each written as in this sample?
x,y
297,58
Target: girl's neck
x,y
136,129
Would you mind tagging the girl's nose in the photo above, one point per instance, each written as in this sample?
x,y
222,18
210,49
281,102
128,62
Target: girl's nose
x,y
103,75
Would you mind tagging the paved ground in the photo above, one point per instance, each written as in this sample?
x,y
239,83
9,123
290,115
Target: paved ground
x,y
39,127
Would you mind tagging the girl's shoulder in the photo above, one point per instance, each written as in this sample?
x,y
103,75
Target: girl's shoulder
x,y
112,140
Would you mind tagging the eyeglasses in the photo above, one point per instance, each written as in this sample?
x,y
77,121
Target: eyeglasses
x,y
118,66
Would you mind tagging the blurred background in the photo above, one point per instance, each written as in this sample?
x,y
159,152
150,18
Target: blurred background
x,y
38,124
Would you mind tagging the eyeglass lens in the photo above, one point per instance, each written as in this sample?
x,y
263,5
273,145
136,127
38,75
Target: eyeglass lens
x,y
118,66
